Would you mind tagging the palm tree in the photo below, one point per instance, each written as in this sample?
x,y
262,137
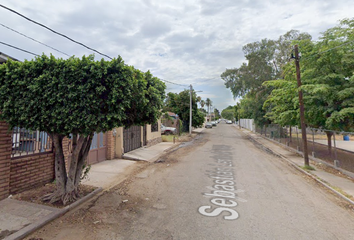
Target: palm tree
x,y
202,103
208,103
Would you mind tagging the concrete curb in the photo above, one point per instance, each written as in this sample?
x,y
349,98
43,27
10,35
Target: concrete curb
x,y
40,223
313,176
167,150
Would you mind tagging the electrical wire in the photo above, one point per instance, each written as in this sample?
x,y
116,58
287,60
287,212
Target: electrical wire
x,y
19,48
48,28
34,39
174,83
9,45
343,44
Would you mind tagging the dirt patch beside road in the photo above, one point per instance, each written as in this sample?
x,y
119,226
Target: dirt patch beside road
x,y
108,215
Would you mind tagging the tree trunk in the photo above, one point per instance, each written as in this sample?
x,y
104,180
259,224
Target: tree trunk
x,y
290,135
82,159
78,158
60,170
329,141
67,184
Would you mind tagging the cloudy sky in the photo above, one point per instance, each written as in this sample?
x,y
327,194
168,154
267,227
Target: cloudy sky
x,y
181,41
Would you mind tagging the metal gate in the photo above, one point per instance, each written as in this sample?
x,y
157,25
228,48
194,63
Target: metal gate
x,y
98,148
144,135
131,138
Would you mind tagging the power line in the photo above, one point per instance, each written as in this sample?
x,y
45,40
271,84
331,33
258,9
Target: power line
x,y
343,44
174,83
38,55
19,48
9,9
33,39
48,28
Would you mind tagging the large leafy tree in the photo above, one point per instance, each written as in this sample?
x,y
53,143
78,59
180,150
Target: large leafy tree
x,y
265,61
79,97
179,103
328,83
228,113
328,80
282,104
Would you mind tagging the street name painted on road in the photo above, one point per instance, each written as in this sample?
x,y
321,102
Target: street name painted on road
x,y
223,193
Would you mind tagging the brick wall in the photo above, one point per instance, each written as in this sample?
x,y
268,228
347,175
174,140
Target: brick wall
x,y
110,145
5,159
31,171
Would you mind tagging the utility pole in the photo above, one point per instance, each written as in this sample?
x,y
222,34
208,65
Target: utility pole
x,y
190,111
302,110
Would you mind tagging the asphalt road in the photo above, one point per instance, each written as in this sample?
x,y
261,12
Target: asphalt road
x,y
219,187
226,188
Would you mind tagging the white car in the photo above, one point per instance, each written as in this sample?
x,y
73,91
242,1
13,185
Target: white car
x,y
229,122
167,130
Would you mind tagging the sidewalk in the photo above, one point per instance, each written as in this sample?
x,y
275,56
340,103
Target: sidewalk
x,y
20,218
331,181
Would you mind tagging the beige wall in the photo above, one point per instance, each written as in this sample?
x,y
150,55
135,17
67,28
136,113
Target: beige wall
x,y
152,135
151,139
118,146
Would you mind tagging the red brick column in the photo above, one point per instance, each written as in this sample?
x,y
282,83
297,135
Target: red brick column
x,y
5,158
110,145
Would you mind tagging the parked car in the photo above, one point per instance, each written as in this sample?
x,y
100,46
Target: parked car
x,y
213,123
229,122
167,130
208,125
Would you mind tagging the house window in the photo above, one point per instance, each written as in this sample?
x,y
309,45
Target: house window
x,y
27,142
155,127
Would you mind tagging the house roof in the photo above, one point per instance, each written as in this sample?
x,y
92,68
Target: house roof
x,y
171,114
4,58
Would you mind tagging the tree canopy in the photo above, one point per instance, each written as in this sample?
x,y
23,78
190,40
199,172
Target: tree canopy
x,y
327,82
79,97
179,103
228,113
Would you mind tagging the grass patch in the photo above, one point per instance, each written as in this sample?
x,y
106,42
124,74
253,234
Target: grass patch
x,y
309,168
168,138
342,192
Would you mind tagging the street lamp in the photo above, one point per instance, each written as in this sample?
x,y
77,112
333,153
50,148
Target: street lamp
x,y
190,109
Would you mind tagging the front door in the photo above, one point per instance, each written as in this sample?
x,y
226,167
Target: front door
x,y
98,148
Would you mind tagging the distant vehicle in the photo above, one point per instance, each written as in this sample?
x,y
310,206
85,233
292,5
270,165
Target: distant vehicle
x,y
213,123
229,122
208,125
167,130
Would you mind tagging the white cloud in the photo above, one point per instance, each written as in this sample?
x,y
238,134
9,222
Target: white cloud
x,y
186,41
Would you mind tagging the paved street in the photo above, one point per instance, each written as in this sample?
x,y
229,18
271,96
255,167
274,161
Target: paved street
x,y
219,187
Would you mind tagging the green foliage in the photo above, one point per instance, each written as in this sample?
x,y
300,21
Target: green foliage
x,y
216,113
78,96
327,83
179,103
266,61
228,113
282,105
251,106
327,79
208,103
